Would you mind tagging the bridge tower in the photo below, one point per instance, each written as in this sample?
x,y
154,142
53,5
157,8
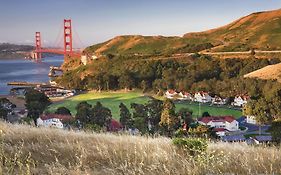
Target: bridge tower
x,y
38,54
67,37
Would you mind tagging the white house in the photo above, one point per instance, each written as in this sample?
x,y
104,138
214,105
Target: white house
x,y
84,59
221,125
251,119
185,96
170,94
202,97
240,100
53,120
218,100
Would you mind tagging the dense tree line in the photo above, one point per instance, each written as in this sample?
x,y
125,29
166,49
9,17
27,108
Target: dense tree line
x,y
221,77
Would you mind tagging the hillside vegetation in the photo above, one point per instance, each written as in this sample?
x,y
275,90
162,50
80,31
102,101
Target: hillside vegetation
x,y
148,45
271,72
28,150
14,51
260,30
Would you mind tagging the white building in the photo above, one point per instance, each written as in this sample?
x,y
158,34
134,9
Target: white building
x,y
53,120
218,100
185,96
170,94
222,124
202,97
251,119
240,100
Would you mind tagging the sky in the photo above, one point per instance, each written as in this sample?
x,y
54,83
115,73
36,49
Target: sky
x,y
96,21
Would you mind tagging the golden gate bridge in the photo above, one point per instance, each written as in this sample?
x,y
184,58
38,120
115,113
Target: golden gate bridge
x,y
67,50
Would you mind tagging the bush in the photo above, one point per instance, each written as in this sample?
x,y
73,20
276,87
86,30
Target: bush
x,y
180,133
192,145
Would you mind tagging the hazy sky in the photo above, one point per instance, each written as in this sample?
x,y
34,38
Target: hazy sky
x,y
99,20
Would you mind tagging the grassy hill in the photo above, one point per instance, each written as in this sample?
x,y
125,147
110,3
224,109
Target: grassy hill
x,y
148,45
30,150
271,72
260,30
113,99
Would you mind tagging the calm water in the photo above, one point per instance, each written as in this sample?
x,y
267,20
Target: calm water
x,y
25,70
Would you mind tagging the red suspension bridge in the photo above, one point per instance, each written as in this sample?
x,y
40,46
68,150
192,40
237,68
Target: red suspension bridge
x,y
67,49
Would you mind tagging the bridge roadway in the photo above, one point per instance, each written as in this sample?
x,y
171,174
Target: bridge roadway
x,y
61,52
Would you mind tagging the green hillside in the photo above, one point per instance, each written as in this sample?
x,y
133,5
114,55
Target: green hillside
x,y
148,45
260,30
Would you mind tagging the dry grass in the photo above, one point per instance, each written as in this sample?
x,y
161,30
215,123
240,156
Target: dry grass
x,y
271,72
55,151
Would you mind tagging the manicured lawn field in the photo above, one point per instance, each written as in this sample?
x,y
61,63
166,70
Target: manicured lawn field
x,y
108,99
212,110
113,99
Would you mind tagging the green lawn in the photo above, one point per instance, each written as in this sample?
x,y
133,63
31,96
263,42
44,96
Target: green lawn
x,y
212,110
113,99
108,99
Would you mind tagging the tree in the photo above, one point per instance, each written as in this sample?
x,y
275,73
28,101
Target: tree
x,y
154,108
63,111
169,119
126,80
100,115
125,116
140,117
3,113
275,131
206,114
185,115
83,113
36,103
260,109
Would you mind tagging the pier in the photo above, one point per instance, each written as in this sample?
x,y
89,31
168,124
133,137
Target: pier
x,y
24,83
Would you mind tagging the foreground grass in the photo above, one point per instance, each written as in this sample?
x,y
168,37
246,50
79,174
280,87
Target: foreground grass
x,y
52,151
113,99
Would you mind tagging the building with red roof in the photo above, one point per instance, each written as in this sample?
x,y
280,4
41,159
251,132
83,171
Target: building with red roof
x,y
170,93
54,120
221,124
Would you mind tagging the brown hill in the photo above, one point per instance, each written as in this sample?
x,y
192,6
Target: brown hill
x,y
260,30
272,72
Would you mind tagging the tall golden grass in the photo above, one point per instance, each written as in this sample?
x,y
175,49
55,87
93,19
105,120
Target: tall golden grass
x,y
29,150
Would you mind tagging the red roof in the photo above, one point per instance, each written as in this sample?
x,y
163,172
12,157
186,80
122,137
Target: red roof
x,y
115,125
219,129
63,118
171,91
206,120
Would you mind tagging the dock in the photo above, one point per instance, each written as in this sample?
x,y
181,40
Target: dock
x,y
24,83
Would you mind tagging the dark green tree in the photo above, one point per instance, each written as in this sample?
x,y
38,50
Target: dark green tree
x,y
63,111
185,116
125,116
126,80
206,114
36,103
101,115
83,114
154,108
275,131
3,113
140,117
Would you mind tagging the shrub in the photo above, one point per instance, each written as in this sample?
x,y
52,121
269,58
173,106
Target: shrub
x,y
180,133
192,145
